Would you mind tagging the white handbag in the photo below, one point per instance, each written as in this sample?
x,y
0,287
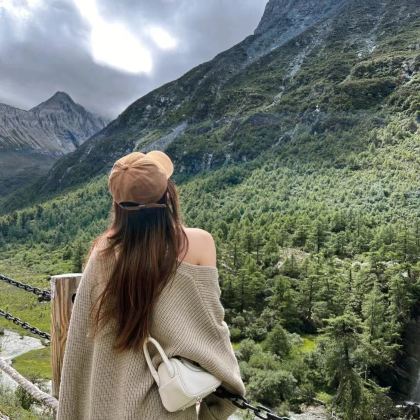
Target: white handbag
x,y
181,382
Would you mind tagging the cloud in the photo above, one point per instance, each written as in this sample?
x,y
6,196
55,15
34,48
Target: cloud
x,y
162,38
112,44
107,53
19,9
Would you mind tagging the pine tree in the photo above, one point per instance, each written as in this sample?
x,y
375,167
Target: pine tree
x,y
78,254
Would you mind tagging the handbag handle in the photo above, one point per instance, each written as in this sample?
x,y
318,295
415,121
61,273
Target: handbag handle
x,y
165,359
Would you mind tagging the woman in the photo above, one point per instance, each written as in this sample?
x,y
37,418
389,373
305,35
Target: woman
x,y
146,274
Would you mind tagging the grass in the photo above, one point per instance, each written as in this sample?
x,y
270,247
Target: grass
x,y
10,406
324,397
21,266
30,268
236,346
35,363
309,343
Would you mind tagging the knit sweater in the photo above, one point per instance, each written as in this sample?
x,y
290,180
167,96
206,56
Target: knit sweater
x,y
188,321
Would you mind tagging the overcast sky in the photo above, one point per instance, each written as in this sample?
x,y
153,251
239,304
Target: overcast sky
x,y
108,53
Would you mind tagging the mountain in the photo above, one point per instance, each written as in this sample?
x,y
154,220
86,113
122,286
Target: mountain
x,y
56,126
310,66
31,141
298,149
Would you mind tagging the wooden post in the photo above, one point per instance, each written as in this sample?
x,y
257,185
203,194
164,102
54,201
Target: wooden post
x,y
63,291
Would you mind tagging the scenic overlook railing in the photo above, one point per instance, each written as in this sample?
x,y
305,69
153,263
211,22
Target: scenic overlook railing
x,y
63,289
62,294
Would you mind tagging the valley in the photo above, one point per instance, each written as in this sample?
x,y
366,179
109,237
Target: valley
x,y
299,151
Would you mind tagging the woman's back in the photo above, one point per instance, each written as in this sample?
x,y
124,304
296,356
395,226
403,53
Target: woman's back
x,y
98,383
147,274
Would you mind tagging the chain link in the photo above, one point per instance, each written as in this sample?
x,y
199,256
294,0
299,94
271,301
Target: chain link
x,y
43,295
259,411
24,325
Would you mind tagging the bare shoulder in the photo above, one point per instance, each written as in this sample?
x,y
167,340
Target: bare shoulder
x,y
202,249
197,233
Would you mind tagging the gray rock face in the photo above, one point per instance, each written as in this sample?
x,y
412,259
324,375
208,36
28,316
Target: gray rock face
x,y
56,126
206,118
283,20
283,14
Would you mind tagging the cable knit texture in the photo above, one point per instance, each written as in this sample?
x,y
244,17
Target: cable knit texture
x,y
188,321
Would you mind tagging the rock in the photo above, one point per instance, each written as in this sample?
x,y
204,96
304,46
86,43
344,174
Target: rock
x,y
56,126
311,412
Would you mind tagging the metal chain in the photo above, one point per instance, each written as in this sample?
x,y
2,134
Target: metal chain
x,y
24,325
43,295
241,402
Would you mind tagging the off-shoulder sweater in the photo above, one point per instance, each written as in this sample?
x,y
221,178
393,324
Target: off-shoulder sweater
x,y
188,321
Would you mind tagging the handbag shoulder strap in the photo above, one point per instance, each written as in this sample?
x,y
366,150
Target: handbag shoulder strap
x,y
165,359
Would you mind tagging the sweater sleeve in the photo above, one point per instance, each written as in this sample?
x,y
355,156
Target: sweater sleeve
x,y
225,365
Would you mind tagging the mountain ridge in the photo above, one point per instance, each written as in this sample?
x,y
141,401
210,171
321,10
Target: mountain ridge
x,y
332,72
55,126
216,72
32,140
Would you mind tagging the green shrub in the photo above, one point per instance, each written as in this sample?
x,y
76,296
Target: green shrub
x,y
272,387
278,341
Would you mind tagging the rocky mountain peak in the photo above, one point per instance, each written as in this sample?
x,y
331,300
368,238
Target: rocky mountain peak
x,y
61,97
56,126
286,14
260,86
58,101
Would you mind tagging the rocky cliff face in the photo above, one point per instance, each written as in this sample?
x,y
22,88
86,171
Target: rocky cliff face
x,y
312,68
31,141
284,20
56,126
282,15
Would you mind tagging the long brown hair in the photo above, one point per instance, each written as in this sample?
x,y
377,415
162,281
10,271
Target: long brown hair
x,y
146,245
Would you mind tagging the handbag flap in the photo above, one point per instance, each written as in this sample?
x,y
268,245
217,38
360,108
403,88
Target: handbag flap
x,y
194,379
